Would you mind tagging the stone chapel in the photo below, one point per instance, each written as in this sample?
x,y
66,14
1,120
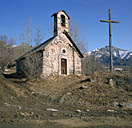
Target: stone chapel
x,y
60,54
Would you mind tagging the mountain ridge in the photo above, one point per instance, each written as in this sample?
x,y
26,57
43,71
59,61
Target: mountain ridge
x,y
120,56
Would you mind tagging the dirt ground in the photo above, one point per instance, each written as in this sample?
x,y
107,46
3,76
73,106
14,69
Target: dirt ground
x,y
66,101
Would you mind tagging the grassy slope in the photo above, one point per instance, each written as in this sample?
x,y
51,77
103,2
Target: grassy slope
x,y
68,90
66,94
97,94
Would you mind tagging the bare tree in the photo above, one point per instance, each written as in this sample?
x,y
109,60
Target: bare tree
x,y
74,32
6,51
26,37
4,38
82,46
3,55
51,29
38,37
29,33
32,65
90,64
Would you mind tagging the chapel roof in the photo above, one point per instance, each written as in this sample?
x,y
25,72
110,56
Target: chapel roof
x,y
61,11
37,48
42,46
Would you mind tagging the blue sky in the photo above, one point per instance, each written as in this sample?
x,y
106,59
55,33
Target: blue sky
x,y
15,14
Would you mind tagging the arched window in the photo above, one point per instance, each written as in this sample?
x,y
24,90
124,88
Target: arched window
x,y
63,51
63,21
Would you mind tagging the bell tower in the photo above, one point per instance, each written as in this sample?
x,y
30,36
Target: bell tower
x,y
61,22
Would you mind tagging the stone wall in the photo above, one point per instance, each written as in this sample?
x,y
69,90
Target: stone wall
x,y
30,65
53,54
19,65
77,64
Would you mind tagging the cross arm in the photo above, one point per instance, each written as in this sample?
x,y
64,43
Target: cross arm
x,y
104,20
115,21
109,21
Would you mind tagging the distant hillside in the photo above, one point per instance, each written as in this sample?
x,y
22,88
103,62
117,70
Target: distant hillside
x,y
121,57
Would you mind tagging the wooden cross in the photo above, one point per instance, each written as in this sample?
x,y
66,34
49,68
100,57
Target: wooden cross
x,y
110,40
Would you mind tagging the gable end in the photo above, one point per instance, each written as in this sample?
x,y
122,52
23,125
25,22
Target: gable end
x,y
69,37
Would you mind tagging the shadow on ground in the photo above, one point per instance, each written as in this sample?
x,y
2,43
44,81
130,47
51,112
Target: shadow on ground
x,y
13,75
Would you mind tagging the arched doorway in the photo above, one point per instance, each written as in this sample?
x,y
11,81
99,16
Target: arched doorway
x,y
63,66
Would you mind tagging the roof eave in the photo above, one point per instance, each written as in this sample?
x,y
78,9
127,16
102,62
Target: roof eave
x,y
36,49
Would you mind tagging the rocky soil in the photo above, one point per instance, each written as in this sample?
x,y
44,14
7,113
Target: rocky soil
x,y
96,101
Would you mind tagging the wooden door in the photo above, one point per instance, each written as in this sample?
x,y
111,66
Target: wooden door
x,y
63,66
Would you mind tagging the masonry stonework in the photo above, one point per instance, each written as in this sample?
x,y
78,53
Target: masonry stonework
x,y
53,54
61,56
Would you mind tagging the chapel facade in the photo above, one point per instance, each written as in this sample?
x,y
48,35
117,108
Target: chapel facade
x,y
60,55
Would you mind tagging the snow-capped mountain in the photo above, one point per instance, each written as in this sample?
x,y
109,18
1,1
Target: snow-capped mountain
x,y
119,55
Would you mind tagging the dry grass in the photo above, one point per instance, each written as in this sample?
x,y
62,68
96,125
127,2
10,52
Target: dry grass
x,y
68,90
97,94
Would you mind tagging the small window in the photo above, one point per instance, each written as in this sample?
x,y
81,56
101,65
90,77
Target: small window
x,y
63,22
63,51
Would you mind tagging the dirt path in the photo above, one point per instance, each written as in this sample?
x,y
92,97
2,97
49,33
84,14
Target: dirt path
x,y
100,122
